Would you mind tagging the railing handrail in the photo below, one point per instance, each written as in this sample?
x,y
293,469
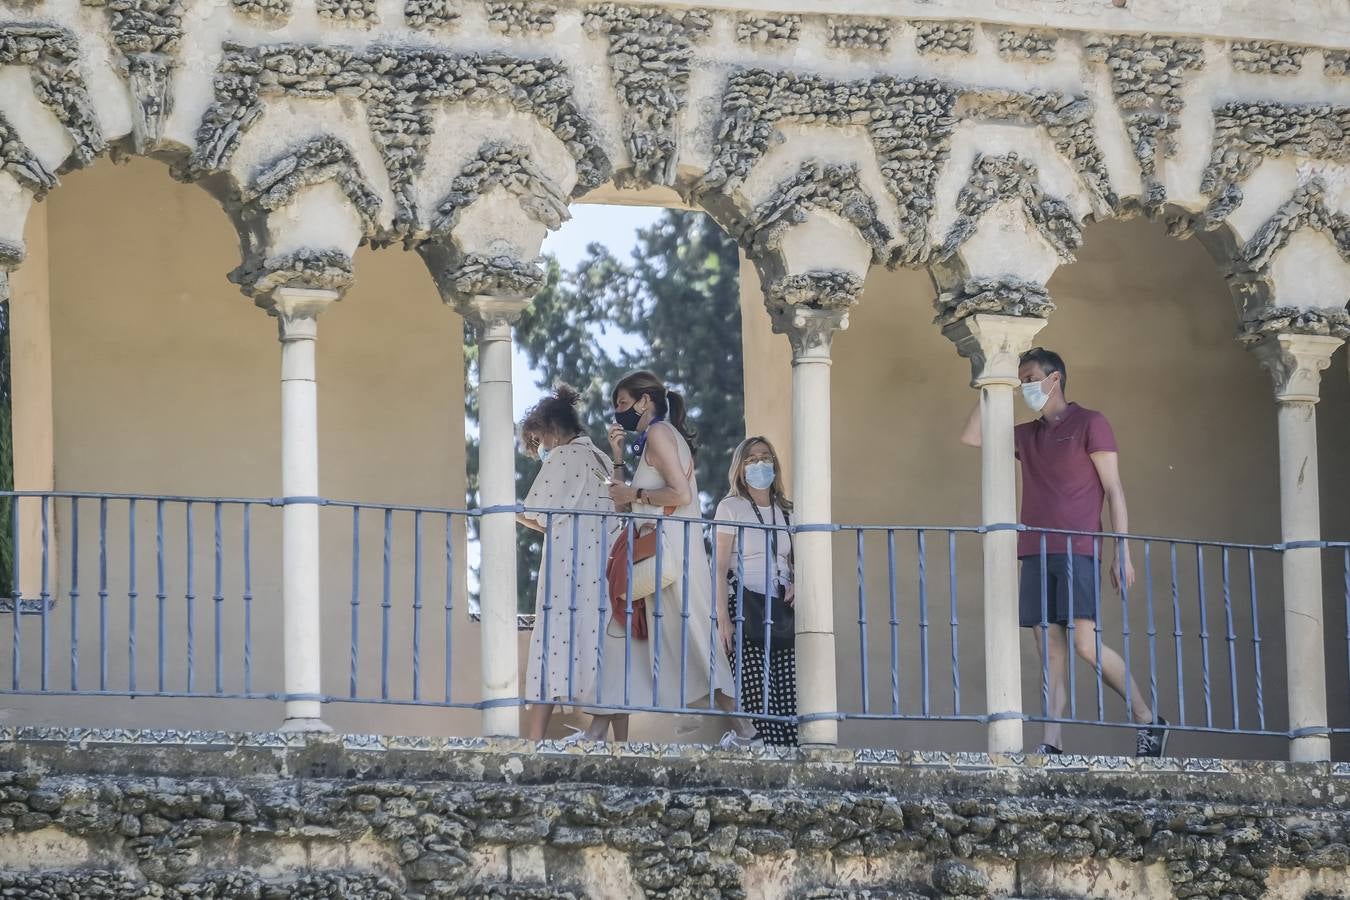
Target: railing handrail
x,y
795,528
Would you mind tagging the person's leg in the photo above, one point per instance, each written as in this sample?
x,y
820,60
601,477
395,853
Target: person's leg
x,y
753,672
1053,650
740,726
536,720
1087,639
1039,607
599,727
1113,670
782,696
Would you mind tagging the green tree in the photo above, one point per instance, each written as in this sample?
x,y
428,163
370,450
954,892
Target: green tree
x,y
678,302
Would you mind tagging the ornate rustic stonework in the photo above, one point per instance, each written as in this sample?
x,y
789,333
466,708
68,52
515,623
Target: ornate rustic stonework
x,y
853,33
1068,122
1266,57
496,275
817,185
1147,73
429,14
1030,45
17,160
52,57
278,11
1006,298
349,12
944,37
502,165
909,123
322,159
401,88
1307,208
516,17
995,179
819,289
319,269
1332,322
768,31
146,34
1336,62
1247,133
650,50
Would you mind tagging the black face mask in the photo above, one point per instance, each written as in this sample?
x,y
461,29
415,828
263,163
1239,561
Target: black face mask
x,y
629,418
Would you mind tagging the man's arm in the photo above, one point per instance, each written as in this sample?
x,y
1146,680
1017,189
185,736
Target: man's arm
x,y
1107,464
970,435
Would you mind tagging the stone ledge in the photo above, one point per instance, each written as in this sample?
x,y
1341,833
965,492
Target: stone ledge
x,y
506,760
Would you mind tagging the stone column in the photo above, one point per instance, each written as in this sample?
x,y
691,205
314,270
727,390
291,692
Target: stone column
x,y
993,344
497,497
1295,362
297,312
811,332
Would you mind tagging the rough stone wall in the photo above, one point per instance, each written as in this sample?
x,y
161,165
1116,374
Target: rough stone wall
x,y
141,814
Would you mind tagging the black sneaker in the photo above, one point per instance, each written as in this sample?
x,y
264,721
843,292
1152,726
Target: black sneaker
x,y
1152,740
1048,750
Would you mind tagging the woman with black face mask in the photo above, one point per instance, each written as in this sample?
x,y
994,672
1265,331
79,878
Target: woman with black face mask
x,y
677,617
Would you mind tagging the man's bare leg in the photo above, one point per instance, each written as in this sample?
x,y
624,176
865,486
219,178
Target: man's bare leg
x,y
1056,674
536,720
1113,670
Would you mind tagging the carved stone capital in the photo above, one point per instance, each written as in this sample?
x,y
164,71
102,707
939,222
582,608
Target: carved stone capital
x,y
297,311
810,331
1295,363
493,316
994,345
259,278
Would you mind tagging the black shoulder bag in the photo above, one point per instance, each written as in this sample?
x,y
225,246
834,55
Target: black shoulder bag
x,y
755,606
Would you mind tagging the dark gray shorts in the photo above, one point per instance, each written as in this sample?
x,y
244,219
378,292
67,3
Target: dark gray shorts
x,y
1057,583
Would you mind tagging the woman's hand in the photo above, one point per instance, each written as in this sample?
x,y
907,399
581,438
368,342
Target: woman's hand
x,y
726,632
618,440
622,494
790,594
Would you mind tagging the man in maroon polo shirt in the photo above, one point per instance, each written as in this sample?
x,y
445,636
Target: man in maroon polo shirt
x,y
1070,468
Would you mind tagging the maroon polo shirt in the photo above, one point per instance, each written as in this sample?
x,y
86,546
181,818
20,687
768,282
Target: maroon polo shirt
x,y
1060,486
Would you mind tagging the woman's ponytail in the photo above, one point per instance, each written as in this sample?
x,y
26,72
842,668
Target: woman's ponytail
x,y
676,415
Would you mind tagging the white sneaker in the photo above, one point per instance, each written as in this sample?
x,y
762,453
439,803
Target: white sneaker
x,y
733,741
576,737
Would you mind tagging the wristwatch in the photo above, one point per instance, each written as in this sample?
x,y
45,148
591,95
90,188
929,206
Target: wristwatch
x,y
638,495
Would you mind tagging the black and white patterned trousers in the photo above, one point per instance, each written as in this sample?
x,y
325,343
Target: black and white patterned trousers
x,y
782,690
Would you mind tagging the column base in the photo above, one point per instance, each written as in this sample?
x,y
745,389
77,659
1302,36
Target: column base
x,y
305,726
1314,748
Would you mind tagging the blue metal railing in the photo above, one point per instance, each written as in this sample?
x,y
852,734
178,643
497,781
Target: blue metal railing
x,y
1199,632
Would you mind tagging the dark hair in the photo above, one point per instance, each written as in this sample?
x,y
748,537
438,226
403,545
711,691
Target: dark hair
x,y
556,413
1049,361
669,404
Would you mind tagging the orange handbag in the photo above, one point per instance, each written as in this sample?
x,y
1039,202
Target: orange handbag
x,y
617,570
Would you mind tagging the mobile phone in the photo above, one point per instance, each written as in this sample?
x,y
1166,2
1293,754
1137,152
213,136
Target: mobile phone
x,y
603,479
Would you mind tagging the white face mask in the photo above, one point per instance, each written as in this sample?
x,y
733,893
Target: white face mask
x,y
543,453
1035,395
759,475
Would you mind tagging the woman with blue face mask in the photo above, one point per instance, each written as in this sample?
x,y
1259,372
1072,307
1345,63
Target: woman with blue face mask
x,y
754,609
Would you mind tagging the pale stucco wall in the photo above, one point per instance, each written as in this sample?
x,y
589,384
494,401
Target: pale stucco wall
x,y
166,380
1146,326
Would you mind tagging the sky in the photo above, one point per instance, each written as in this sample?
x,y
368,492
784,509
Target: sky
x,y
613,226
